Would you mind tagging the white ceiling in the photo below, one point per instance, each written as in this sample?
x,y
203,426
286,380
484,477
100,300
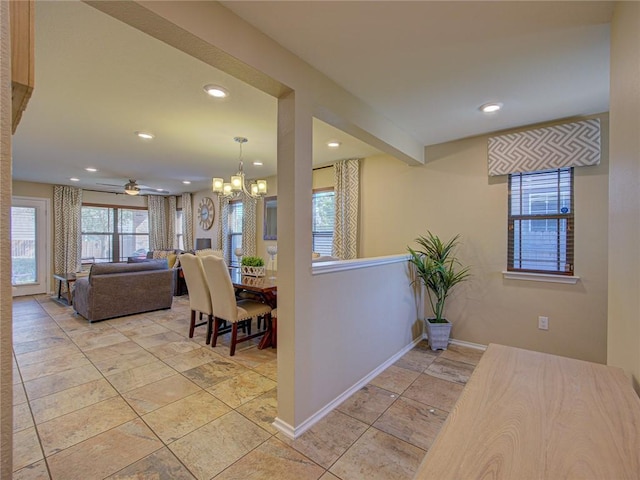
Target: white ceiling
x,y
426,66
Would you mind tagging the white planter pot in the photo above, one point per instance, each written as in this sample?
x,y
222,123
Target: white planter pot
x,y
253,271
438,334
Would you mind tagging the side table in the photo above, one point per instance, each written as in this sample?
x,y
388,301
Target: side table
x,y
68,278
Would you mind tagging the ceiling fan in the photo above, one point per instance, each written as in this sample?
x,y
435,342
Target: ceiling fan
x,y
133,188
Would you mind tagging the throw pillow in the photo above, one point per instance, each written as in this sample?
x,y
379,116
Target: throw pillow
x,y
171,259
161,254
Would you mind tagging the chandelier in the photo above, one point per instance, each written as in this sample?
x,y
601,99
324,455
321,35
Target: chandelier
x,y
237,185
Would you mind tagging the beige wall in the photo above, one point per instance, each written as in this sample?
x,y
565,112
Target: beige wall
x,y
624,187
452,194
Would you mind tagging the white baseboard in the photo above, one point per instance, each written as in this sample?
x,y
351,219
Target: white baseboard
x,y
294,432
462,343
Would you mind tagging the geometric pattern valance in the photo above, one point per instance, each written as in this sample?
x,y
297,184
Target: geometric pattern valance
x,y
569,145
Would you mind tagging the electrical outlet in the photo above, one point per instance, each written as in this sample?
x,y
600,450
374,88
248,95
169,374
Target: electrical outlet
x,y
543,323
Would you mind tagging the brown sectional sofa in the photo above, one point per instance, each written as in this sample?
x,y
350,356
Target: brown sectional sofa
x,y
118,289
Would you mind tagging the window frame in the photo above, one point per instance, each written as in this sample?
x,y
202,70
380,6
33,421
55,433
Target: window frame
x,y
115,236
568,217
179,229
321,233
233,259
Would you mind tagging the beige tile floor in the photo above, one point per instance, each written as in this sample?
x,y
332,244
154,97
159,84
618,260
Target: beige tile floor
x,y
133,397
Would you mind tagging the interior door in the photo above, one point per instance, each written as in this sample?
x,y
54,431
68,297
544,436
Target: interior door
x,y
29,246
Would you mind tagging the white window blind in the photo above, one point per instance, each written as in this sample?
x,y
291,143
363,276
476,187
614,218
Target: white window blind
x,y
323,210
540,223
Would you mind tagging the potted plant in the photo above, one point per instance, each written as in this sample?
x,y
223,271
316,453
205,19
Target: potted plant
x,y
253,266
439,271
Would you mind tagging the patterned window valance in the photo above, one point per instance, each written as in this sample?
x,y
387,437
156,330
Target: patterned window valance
x,y
569,145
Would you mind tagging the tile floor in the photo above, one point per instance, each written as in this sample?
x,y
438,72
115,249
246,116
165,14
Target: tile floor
x,y
133,397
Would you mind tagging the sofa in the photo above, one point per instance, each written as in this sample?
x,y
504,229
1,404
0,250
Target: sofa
x,y
173,259
171,256
117,289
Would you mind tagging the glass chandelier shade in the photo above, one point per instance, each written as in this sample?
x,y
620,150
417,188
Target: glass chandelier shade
x,y
237,185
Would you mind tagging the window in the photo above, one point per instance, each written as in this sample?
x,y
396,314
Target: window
x,y
234,231
541,222
111,234
23,245
323,211
179,233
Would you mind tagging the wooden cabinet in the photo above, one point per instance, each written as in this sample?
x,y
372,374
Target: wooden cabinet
x,y
21,17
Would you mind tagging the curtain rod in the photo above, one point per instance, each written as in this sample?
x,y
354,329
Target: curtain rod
x,y
326,166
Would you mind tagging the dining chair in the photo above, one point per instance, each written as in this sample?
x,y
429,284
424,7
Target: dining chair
x,y
226,307
199,295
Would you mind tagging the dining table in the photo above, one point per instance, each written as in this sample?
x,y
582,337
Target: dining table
x,y
266,289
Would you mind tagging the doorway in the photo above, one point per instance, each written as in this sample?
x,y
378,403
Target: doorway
x,y
30,237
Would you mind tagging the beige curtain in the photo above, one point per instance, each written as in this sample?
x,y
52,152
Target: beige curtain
x,y
347,193
171,224
222,232
67,210
187,222
157,223
249,226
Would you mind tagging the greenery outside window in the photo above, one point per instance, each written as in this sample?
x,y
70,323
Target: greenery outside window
x,y
541,222
323,218
111,234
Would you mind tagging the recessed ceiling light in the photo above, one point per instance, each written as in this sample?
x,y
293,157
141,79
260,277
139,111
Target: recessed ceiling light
x,y
258,163
186,182
145,135
74,179
333,144
216,91
490,107
91,169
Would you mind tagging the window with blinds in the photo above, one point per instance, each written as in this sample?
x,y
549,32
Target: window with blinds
x,y
112,234
234,231
323,212
541,222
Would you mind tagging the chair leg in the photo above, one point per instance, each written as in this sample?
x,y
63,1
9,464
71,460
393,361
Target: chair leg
x,y
216,326
209,328
234,339
192,325
274,330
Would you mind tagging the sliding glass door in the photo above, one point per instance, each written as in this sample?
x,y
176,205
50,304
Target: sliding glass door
x,y
29,241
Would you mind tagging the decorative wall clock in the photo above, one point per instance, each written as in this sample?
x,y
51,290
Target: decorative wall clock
x,y
206,213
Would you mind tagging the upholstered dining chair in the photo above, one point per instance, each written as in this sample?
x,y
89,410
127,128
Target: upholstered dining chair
x,y
226,307
199,296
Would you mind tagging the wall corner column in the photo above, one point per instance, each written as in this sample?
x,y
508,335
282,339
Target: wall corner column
x,y
6,302
295,127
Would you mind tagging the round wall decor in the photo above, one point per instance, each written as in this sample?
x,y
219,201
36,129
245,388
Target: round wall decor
x,y
206,213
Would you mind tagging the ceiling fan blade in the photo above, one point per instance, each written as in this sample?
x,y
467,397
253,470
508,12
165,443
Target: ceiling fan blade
x,y
109,184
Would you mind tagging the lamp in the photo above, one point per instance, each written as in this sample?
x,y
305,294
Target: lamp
x,y
237,185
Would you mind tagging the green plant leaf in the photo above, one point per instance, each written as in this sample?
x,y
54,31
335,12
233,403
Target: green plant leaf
x,y
438,269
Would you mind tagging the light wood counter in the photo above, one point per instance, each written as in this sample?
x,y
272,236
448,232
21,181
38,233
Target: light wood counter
x,y
529,415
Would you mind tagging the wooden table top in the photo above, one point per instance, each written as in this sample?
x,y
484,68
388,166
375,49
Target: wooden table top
x,y
66,276
530,415
255,284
